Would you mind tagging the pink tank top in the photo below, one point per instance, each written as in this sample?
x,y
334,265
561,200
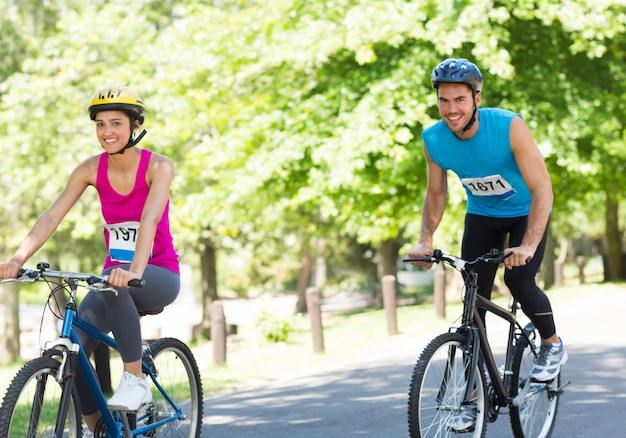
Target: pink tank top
x,y
122,214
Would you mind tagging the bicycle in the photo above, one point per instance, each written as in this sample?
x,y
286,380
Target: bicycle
x,y
457,370
42,400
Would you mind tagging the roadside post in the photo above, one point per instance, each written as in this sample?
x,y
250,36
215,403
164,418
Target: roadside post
x,y
314,309
389,303
218,332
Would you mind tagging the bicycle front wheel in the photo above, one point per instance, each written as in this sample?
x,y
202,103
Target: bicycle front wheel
x,y
438,387
179,377
32,402
536,409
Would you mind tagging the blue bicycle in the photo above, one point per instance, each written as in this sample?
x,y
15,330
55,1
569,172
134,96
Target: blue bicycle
x,y
42,400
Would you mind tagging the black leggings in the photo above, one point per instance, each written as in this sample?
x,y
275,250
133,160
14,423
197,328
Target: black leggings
x,y
120,315
483,233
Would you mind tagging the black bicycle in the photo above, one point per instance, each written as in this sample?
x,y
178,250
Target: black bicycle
x,y
457,370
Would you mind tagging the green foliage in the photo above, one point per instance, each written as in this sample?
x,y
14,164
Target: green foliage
x,y
276,326
292,121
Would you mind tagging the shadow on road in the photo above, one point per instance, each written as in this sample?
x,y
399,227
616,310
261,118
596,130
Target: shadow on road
x,y
371,400
361,401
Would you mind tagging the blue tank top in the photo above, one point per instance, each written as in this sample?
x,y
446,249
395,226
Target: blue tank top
x,y
484,163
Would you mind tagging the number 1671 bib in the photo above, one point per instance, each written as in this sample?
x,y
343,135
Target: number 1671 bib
x,y
494,186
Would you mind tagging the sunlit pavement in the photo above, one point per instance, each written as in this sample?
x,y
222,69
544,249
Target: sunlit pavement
x,y
369,397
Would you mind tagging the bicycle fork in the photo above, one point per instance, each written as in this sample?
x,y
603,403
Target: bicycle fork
x,y
64,376
470,371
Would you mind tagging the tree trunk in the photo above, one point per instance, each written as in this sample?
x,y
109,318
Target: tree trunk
x,y
303,276
613,239
208,267
10,339
547,266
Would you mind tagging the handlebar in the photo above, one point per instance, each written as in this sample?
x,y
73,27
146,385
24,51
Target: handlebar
x,y
494,256
95,282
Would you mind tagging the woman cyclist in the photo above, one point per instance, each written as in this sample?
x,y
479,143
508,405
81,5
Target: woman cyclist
x,y
133,185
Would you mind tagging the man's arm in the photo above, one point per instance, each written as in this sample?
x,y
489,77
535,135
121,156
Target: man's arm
x,y
533,169
432,209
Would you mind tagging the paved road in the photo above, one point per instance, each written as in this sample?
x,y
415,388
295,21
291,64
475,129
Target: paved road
x,y
369,397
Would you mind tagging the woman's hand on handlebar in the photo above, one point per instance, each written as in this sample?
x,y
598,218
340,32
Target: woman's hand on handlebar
x,y
520,256
421,250
10,269
121,278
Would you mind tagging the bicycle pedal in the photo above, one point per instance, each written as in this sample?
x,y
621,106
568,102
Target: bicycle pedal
x,y
541,382
132,419
466,430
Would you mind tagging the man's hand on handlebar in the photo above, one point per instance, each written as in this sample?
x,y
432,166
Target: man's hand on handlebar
x,y
419,251
520,256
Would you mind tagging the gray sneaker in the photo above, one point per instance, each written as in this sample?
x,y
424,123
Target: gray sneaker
x,y
465,420
548,362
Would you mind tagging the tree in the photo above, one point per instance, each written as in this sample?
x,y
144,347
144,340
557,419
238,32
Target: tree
x,y
295,121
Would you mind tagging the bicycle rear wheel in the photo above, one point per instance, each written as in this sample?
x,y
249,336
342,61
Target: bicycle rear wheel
x,y
438,386
535,415
179,376
32,402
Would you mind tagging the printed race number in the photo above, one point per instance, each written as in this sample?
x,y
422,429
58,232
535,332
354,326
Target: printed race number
x,y
494,186
122,240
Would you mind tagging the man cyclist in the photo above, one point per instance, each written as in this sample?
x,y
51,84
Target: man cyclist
x,y
509,195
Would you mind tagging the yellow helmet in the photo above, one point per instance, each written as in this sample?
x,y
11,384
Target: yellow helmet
x,y
117,98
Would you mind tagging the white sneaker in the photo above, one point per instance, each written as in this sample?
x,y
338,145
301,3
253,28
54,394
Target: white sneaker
x,y
87,433
131,394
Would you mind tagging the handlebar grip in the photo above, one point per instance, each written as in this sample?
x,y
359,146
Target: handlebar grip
x,y
20,273
136,282
427,259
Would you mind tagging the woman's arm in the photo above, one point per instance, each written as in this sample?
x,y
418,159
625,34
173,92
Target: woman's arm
x,y
47,223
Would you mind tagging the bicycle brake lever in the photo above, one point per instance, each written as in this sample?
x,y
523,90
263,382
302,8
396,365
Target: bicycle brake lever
x,y
23,276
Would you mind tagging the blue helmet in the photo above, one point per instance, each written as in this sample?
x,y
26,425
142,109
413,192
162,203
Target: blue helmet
x,y
457,70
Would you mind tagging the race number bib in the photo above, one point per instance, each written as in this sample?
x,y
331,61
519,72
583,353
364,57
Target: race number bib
x,y
122,240
494,186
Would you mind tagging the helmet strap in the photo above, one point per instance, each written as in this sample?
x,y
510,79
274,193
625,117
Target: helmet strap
x,y
470,123
132,142
473,119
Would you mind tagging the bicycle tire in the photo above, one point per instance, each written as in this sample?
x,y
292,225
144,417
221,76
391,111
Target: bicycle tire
x,y
429,417
536,416
35,392
178,374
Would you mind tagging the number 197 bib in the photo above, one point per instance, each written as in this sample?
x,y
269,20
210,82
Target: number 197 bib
x,y
122,240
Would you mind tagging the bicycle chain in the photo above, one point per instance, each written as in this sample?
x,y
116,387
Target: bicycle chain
x,y
100,430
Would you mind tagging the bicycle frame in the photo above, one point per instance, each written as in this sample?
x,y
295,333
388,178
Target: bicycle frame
x,y
456,386
473,324
71,321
